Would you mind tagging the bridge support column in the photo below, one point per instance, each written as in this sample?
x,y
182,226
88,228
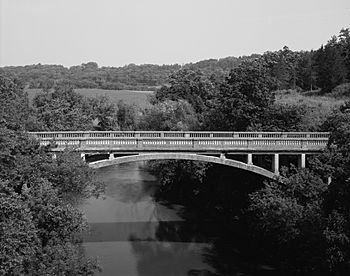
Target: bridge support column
x,y
222,155
275,164
111,156
82,156
302,161
250,159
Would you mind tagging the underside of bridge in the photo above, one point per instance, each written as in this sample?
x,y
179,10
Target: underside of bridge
x,y
183,156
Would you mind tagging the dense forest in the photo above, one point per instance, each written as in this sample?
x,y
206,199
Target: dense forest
x,y
299,223
324,68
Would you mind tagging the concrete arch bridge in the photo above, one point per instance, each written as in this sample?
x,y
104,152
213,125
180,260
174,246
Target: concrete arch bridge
x,y
257,152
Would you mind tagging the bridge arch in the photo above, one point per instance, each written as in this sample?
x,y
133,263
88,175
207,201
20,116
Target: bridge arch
x,y
183,156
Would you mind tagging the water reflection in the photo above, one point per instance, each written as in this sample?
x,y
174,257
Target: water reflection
x,y
133,235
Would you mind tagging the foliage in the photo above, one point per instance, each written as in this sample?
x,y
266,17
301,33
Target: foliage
x,y
282,67
14,110
179,179
18,235
104,112
281,117
188,85
281,208
286,217
127,116
62,109
302,214
169,116
242,99
39,229
315,108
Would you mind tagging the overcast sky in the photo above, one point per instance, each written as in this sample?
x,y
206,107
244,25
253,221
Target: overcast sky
x,y
116,32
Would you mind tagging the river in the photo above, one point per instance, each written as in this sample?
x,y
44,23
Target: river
x,y
131,234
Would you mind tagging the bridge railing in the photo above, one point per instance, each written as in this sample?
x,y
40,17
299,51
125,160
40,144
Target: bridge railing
x,y
177,134
186,141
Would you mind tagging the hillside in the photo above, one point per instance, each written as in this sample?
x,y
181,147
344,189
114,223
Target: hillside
x,y
317,107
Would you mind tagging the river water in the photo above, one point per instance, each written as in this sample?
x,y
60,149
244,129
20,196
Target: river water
x,y
131,234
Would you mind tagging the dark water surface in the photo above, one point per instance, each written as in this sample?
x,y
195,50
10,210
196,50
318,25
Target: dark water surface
x,y
131,234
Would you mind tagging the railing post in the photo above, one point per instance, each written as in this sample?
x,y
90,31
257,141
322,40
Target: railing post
x,y
82,142
139,143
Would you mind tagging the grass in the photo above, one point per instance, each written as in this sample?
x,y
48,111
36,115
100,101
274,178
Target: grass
x,y
317,107
138,98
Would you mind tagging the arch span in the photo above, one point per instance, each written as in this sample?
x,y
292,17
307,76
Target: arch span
x,y
183,156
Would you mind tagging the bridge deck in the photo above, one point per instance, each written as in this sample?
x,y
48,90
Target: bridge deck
x,y
179,141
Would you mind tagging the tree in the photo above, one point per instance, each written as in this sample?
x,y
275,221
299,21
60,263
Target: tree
x,y
127,116
14,110
300,213
336,160
305,72
282,67
330,65
188,85
286,217
280,117
39,229
19,241
63,109
104,112
344,41
169,116
242,99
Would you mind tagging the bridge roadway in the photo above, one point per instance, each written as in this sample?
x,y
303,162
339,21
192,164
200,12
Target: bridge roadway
x,y
131,146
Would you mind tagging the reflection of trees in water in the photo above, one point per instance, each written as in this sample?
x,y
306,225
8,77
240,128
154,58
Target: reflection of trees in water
x,y
212,215
167,258
205,248
197,249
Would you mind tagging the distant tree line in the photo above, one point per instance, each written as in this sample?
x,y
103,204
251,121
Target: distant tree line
x,y
323,69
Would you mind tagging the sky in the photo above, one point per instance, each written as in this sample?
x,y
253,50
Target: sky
x,y
116,33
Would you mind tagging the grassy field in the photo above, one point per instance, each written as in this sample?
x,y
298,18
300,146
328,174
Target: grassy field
x,y
139,98
317,107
